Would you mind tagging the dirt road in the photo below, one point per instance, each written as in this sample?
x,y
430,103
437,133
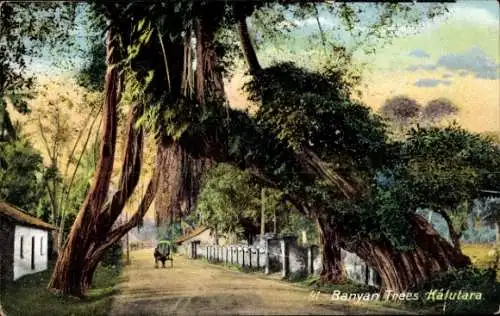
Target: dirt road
x,y
193,287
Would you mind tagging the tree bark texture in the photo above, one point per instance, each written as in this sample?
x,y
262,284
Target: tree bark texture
x,y
402,270
332,269
67,277
245,41
180,181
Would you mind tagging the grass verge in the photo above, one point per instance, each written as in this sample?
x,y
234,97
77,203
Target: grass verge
x,y
29,296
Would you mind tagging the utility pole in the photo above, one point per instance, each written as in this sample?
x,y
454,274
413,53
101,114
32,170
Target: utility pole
x,y
262,215
127,241
275,230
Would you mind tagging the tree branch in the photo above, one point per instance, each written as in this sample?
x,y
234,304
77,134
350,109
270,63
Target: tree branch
x,y
320,167
270,183
130,173
117,233
246,43
454,235
322,33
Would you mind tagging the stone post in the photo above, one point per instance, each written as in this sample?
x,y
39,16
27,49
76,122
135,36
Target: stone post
x,y
284,269
250,257
310,268
266,257
258,258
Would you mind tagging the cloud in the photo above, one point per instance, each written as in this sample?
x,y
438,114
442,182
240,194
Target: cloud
x,y
430,83
474,61
419,53
428,67
470,12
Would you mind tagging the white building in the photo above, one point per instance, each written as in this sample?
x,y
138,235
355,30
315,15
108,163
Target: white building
x,y
23,243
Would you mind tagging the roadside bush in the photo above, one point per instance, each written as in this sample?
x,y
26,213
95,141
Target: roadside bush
x,y
465,280
347,286
113,256
296,276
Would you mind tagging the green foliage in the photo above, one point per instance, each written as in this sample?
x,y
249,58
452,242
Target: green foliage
x,y
92,74
28,184
113,255
295,223
492,210
312,110
401,109
169,233
445,167
315,283
29,295
439,108
465,280
24,29
382,22
229,201
21,174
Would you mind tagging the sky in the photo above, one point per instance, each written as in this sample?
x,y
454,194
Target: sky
x,y
455,56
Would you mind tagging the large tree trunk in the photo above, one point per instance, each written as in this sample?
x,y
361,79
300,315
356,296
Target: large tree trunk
x,y
402,270
209,80
116,234
182,162
179,182
68,277
331,252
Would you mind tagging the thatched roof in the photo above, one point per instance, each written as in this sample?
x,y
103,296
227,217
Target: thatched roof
x,y
19,216
194,233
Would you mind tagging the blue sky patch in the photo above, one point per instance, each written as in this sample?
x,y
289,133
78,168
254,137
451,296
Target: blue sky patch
x,y
431,83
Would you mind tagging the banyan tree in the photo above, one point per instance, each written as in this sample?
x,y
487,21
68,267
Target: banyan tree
x,y
308,139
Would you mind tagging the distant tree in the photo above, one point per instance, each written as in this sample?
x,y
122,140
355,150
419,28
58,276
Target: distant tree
x,y
439,108
492,215
401,109
230,202
444,169
21,174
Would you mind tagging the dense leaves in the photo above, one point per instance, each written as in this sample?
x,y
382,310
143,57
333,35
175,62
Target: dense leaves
x,y
21,174
401,109
229,201
439,108
448,166
313,110
26,28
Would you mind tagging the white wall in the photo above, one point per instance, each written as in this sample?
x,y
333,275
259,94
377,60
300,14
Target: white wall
x,y
22,266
